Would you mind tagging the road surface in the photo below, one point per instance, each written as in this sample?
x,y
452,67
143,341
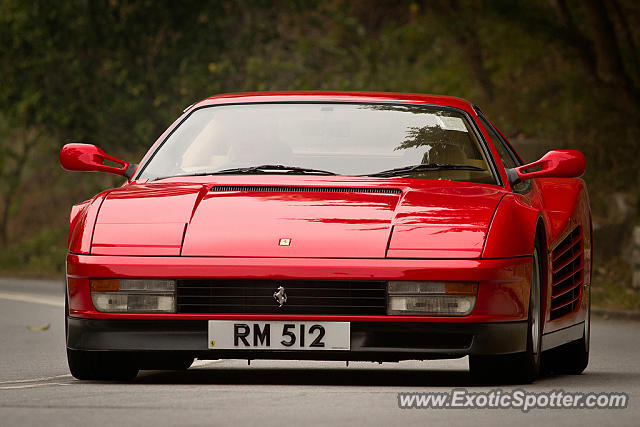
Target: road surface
x,y
36,388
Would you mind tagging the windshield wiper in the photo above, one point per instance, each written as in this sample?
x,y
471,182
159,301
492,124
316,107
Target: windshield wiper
x,y
267,168
425,167
262,169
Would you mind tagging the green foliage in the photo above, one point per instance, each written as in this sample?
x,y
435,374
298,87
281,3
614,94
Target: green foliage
x,y
610,287
42,254
116,73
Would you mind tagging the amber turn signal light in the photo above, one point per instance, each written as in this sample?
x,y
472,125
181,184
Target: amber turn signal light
x,y
461,288
105,285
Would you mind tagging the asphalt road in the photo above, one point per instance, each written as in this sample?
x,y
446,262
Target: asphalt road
x,y
36,388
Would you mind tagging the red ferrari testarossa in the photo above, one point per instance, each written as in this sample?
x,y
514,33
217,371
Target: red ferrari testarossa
x,y
330,226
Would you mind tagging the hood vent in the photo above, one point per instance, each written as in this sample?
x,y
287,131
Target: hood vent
x,y
568,274
305,189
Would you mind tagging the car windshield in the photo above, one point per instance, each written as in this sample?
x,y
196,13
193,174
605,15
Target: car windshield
x,y
386,140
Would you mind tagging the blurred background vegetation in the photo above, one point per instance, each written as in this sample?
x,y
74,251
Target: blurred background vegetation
x,y
116,73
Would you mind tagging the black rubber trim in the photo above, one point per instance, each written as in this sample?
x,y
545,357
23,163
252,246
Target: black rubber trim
x,y
369,340
512,176
304,189
128,173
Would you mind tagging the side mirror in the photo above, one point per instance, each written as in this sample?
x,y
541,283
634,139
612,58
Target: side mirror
x,y
88,157
554,164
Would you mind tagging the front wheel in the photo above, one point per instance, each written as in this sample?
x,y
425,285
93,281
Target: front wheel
x,y
97,365
101,365
520,367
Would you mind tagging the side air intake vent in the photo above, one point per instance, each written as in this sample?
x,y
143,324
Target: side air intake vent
x,y
567,274
305,189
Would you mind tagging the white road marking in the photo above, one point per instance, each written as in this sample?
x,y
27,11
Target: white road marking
x,y
36,299
31,380
15,387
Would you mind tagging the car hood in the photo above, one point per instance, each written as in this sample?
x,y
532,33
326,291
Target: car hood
x,y
329,219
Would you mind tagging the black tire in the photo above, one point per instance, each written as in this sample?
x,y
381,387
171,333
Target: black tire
x,y
66,316
96,365
519,368
101,365
571,358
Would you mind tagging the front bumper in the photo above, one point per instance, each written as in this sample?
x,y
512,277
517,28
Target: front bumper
x,y
370,341
497,324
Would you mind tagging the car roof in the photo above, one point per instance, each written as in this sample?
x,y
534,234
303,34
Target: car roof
x,y
339,96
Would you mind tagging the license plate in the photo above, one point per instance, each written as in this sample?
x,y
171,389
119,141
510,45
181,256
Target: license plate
x,y
243,335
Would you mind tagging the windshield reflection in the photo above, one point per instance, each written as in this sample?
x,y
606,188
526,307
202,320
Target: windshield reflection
x,y
343,138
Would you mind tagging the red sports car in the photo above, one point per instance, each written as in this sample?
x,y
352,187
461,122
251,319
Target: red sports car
x,y
330,226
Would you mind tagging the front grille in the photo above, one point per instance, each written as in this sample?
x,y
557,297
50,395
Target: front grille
x,y
248,296
567,274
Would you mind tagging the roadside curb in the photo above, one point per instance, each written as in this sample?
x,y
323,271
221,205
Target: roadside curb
x,y
610,313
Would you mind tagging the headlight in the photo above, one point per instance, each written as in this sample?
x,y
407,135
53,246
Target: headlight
x,y
134,295
432,298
